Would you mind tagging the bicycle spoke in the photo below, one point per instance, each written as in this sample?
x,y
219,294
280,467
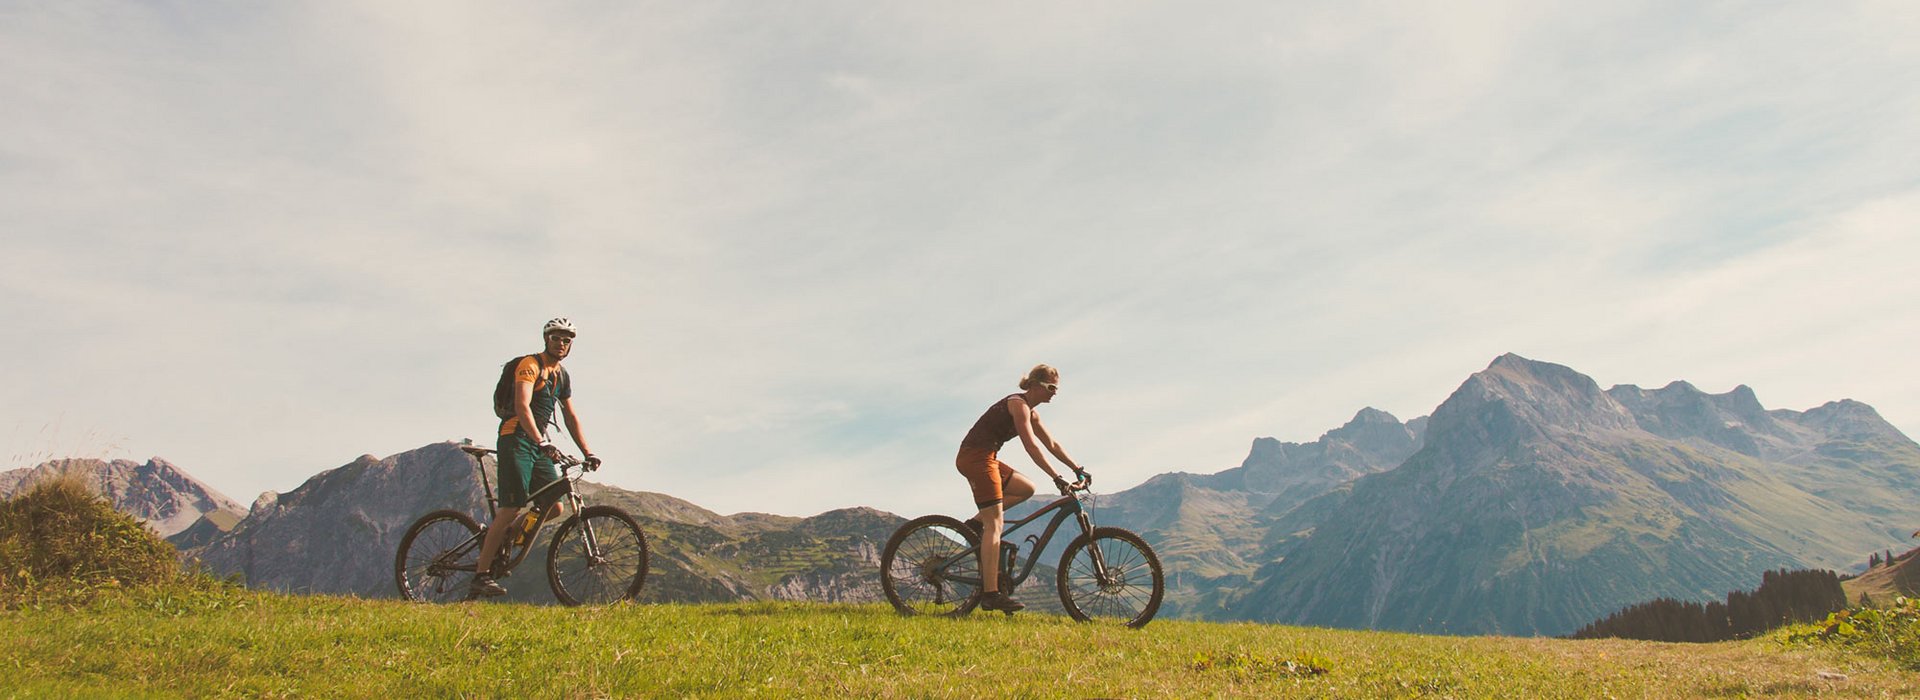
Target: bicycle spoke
x,y
437,554
598,559
1110,578
922,569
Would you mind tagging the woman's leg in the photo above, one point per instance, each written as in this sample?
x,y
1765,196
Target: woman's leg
x,y
991,518
1017,487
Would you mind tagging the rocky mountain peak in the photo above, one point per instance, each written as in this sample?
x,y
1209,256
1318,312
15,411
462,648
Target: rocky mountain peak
x,y
1265,450
1373,431
1850,418
156,492
1515,397
1680,411
1371,416
1515,377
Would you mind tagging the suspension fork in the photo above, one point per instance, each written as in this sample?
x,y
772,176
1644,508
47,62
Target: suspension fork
x,y
1099,560
586,527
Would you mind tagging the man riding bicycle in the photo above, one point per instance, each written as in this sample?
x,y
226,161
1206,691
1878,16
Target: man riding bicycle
x,y
525,454
996,486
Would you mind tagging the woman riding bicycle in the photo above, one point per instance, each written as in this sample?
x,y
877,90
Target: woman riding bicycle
x,y
996,486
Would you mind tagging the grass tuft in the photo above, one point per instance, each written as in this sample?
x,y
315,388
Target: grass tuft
x,y
61,544
1253,664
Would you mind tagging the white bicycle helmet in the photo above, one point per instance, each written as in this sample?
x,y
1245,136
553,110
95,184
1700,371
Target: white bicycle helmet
x,y
560,324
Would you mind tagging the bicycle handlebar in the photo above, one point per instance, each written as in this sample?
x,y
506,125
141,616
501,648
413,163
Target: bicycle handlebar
x,y
565,460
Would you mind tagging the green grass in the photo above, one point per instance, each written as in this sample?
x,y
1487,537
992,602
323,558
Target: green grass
x,y
213,642
61,543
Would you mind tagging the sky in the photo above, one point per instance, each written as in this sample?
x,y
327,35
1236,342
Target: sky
x,y
806,244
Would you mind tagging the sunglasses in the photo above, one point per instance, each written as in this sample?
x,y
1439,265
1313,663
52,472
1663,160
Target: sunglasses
x,y
1055,388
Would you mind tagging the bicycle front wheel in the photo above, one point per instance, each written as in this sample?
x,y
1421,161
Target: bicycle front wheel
x,y
925,568
1111,575
597,557
437,557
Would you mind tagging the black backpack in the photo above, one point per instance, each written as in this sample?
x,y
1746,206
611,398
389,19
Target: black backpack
x,y
503,390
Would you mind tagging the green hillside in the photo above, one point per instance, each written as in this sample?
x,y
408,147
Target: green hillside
x,y
1883,583
236,643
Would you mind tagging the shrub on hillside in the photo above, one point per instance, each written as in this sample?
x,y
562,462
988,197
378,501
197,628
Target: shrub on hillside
x,y
61,543
1893,632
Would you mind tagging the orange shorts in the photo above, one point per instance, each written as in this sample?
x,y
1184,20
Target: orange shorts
x,y
984,472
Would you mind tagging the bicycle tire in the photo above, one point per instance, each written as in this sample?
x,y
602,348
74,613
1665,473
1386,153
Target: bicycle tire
x,y
420,567
1131,567
614,573
910,575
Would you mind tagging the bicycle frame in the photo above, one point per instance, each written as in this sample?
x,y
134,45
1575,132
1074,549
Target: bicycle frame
x,y
574,503
486,486
1062,508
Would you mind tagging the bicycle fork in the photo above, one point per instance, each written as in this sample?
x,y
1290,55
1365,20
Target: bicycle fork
x,y
1093,551
587,537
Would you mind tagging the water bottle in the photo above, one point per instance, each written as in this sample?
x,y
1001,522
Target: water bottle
x,y
529,524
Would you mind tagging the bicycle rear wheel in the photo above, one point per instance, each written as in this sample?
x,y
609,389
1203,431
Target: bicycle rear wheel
x,y
597,557
1127,589
436,557
922,572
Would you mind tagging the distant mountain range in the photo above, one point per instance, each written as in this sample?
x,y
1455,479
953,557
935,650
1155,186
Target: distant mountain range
x,y
1212,530
1531,502
158,493
337,534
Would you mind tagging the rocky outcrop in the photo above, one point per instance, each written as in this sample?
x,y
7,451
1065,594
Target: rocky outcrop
x,y
337,532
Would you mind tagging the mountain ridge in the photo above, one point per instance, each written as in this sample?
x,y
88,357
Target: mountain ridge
x,y
1540,502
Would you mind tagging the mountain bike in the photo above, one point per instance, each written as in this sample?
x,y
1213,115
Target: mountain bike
x,y
599,554
931,565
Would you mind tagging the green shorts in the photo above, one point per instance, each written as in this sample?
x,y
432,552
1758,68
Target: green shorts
x,y
523,470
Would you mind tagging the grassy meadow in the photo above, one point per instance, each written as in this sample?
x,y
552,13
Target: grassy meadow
x,y
223,641
94,605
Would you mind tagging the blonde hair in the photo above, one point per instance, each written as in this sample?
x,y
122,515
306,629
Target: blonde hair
x,y
1040,374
